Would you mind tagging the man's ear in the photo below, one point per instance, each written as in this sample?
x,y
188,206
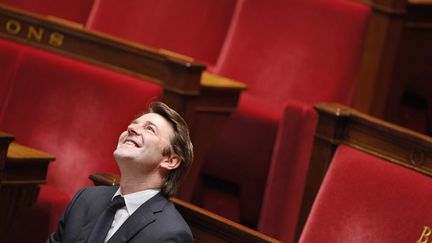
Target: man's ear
x,y
171,162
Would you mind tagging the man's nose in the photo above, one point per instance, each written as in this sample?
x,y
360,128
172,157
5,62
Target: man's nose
x,y
132,129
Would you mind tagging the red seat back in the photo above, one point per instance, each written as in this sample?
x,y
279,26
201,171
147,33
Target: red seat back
x,y
195,28
309,50
73,110
10,54
367,199
77,10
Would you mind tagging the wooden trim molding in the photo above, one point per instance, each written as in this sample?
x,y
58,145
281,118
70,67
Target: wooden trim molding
x,y
100,49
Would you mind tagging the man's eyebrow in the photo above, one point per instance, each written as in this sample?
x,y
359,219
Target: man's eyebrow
x,y
145,123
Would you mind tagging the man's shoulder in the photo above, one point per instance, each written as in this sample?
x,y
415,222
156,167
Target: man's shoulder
x,y
97,190
94,192
177,228
168,225
174,219
165,210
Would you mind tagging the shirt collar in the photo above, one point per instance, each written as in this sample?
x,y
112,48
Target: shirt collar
x,y
134,200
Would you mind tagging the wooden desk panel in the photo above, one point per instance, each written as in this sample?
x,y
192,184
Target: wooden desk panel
x,y
23,170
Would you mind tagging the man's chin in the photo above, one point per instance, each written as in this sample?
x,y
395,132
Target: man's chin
x,y
122,155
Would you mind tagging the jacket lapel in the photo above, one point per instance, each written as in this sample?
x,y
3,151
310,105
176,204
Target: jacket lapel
x,y
141,218
96,213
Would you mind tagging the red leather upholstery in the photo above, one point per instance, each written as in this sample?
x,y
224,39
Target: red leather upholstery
x,y
287,173
285,50
75,111
77,10
367,199
196,28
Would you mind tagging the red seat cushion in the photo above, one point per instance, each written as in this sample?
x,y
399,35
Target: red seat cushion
x,y
367,199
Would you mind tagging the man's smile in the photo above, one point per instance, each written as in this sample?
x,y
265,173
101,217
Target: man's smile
x,y
132,143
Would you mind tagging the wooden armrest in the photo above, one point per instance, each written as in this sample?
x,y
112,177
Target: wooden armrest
x,y
21,152
105,179
5,140
25,165
205,225
21,164
215,81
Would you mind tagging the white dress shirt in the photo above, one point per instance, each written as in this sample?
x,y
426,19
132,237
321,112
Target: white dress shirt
x,y
133,201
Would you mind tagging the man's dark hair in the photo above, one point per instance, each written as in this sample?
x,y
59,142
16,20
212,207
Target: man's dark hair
x,y
181,145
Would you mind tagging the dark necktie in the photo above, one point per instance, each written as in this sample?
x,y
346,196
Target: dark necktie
x,y
104,222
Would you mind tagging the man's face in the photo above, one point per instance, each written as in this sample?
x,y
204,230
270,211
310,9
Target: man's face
x,y
144,140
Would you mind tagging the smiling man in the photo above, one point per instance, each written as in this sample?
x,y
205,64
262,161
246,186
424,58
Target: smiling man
x,y
153,154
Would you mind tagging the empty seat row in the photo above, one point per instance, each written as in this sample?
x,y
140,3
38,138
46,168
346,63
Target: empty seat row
x,y
291,54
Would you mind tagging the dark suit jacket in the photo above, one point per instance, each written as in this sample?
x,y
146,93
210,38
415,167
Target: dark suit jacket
x,y
156,220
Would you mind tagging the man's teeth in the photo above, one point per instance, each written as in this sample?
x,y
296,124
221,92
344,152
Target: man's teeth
x,y
131,143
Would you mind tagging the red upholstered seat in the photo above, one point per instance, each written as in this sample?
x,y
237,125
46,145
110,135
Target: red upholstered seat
x,y
196,28
285,50
77,10
75,111
367,199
